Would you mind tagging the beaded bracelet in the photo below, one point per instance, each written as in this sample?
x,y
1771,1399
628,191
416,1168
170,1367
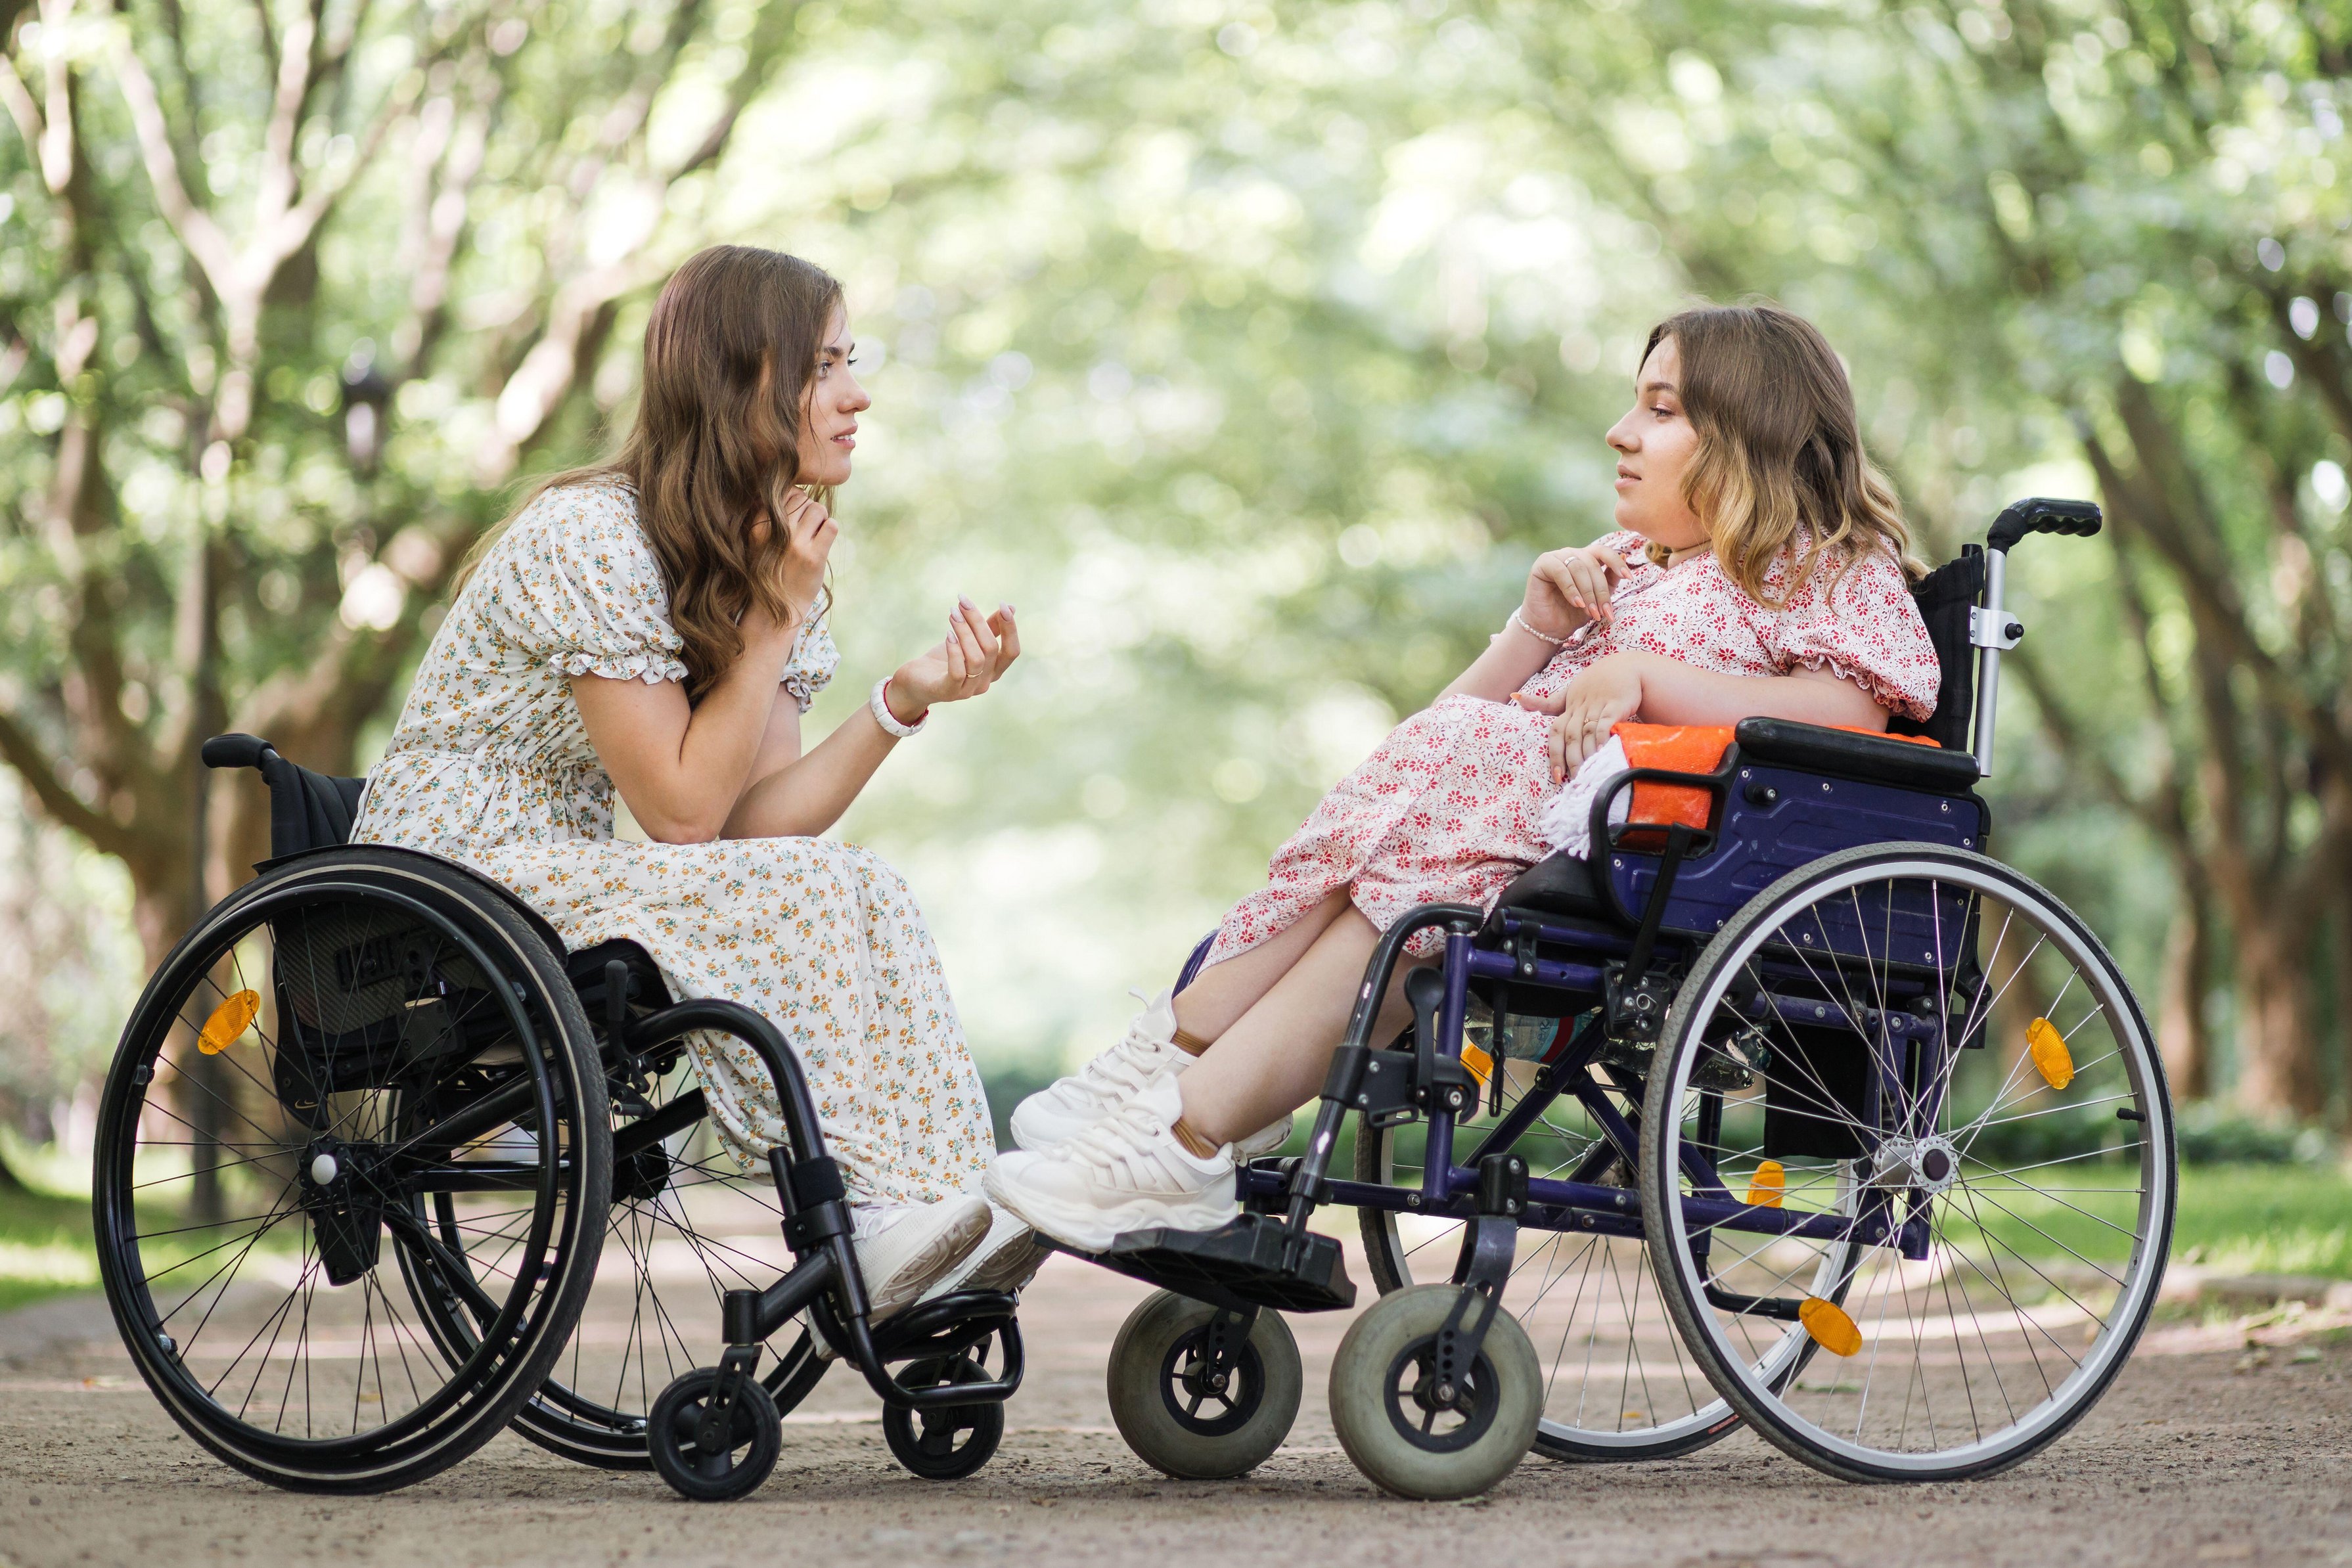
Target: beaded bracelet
x,y
889,721
1520,621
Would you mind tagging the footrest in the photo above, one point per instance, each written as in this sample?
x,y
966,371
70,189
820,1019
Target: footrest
x,y
1239,1264
944,1326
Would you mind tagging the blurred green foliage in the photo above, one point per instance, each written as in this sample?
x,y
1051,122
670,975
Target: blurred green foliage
x,y
1251,352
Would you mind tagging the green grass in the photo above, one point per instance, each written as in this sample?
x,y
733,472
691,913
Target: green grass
x,y
45,1247
2237,1219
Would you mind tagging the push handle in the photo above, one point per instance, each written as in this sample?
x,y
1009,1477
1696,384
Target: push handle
x,y
2041,515
236,751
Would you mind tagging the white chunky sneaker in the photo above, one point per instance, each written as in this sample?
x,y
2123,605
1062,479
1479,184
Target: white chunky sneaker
x,y
1068,1107
1125,1173
1004,1259
903,1250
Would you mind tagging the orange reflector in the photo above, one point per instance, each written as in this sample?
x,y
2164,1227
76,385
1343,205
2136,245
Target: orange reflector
x,y
229,1020
2051,1057
1767,1186
1831,1328
1481,1065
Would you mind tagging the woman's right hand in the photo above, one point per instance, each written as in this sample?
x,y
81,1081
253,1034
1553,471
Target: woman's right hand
x,y
1566,588
809,533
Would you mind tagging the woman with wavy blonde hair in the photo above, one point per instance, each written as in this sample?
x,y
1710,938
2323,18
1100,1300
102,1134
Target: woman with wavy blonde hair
x,y
1760,568
656,625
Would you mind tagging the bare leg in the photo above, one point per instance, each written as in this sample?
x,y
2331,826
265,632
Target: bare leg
x,y
1273,1059
1220,994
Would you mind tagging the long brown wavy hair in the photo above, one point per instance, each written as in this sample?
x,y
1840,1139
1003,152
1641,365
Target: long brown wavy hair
x,y
729,350
1779,461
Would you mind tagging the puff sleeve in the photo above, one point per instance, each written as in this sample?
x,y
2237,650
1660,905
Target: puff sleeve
x,y
577,589
1859,624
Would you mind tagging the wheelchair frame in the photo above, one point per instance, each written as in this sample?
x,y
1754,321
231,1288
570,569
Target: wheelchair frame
x,y
1784,796
632,1020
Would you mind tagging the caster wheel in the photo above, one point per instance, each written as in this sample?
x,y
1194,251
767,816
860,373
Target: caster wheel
x,y
947,1442
1186,1416
714,1456
1409,1427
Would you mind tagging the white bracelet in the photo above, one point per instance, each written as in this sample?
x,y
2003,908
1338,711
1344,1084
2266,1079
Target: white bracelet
x,y
888,720
1520,621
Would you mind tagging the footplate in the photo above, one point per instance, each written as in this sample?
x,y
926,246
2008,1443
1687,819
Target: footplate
x,y
1237,1265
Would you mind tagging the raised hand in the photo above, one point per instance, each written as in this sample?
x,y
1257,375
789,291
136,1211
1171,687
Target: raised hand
x,y
809,533
977,649
1566,588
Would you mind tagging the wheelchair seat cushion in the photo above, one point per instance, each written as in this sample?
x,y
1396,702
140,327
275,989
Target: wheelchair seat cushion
x,y
1560,885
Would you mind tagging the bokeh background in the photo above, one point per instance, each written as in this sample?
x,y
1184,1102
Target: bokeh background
x,y
1251,352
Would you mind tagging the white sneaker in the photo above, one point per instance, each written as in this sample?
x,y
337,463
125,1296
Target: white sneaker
x,y
903,1250
1004,1260
1068,1107
1125,1173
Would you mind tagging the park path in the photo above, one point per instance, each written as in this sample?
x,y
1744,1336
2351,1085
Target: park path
x,y
2203,1453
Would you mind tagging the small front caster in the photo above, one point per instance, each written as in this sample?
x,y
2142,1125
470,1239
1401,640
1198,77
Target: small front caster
x,y
944,1442
1436,1391
1202,1394
714,1443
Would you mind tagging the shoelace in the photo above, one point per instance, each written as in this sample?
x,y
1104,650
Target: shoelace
x,y
1129,1149
1127,1066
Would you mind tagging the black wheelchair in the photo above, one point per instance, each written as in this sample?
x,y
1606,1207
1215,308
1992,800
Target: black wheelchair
x,y
382,1169
1816,1118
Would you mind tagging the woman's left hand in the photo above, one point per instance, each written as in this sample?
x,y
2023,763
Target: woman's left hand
x,y
978,649
1607,692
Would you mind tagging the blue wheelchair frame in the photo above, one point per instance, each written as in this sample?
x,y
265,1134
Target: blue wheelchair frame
x,y
1784,796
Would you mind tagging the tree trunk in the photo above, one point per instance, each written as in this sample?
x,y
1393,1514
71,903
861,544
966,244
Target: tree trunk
x,y
2278,1054
2182,1035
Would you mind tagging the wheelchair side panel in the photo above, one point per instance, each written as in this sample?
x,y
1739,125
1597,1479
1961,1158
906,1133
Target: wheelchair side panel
x,y
1776,820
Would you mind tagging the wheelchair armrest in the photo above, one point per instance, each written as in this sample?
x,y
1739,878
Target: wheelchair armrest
x,y
1872,758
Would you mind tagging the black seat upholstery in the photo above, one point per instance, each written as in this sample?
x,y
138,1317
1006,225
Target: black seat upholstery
x,y
1561,884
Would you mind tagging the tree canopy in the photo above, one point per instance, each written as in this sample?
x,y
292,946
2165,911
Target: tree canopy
x,y
1251,352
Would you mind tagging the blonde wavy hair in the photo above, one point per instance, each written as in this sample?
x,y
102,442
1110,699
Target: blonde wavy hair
x,y
1780,463
729,351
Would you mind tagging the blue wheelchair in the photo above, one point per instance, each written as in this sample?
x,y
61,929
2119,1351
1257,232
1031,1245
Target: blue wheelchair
x,y
381,1170
1816,1118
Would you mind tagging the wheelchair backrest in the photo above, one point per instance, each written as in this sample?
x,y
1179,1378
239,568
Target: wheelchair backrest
x,y
1945,597
307,810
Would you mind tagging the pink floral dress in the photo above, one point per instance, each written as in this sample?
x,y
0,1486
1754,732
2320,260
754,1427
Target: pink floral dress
x,y
1447,809
491,766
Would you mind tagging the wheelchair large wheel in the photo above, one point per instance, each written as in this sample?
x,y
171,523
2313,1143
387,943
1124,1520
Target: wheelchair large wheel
x,y
1949,1181
686,1225
1617,1384
337,1051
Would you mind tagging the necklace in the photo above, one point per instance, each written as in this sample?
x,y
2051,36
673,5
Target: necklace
x,y
1661,557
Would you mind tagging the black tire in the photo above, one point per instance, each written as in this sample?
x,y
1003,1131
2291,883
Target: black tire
x,y
1924,945
1172,1418
1618,1388
944,1443
360,998
1385,1401
734,1466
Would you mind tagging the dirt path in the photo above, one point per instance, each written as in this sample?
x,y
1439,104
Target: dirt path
x,y
2198,1457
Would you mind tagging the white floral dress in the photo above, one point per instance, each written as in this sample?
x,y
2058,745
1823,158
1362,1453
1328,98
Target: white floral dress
x,y
491,766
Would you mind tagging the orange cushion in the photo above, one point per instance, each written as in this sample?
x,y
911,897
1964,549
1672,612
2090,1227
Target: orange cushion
x,y
1686,748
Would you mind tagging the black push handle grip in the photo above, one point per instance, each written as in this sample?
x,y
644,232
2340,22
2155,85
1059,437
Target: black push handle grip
x,y
236,751
2041,515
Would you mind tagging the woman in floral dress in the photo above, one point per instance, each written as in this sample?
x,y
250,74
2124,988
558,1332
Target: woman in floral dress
x,y
1762,569
657,624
